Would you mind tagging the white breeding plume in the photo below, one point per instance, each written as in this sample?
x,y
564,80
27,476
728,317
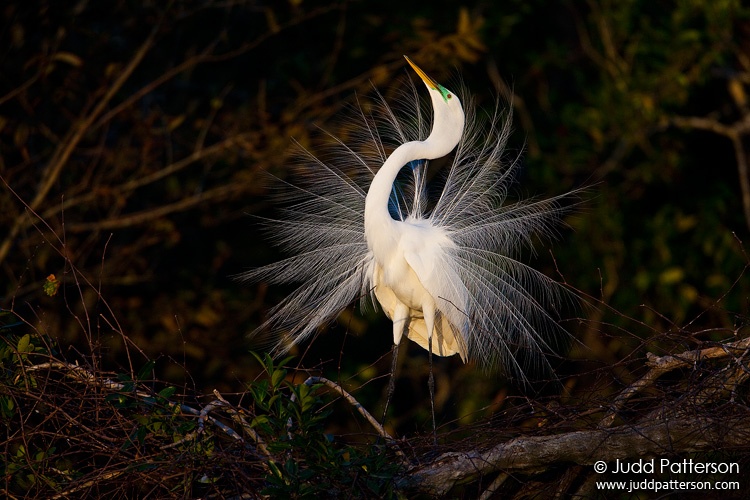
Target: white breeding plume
x,y
359,222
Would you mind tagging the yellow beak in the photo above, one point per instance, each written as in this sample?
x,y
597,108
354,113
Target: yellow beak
x,y
426,79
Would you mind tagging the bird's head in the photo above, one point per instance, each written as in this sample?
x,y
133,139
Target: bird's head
x,y
448,115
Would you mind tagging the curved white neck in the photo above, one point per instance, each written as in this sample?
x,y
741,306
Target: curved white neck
x,y
378,220
447,127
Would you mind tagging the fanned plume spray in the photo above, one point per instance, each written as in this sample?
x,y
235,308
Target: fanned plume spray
x,y
507,306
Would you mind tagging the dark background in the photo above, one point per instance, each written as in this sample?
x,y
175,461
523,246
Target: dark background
x,y
135,137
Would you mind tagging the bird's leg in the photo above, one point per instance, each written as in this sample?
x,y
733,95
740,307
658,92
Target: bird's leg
x,y
431,385
400,315
429,319
391,381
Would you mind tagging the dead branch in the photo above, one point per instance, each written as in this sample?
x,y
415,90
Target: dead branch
x,y
83,375
131,185
736,132
352,400
690,433
217,193
664,364
74,137
687,427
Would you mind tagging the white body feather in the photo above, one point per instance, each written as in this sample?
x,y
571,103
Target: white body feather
x,y
353,234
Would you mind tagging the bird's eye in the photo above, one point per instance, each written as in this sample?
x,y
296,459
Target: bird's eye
x,y
450,96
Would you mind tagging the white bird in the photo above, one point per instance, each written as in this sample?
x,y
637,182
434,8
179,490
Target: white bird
x,y
359,224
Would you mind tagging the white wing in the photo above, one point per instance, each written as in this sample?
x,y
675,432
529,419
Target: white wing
x,y
428,251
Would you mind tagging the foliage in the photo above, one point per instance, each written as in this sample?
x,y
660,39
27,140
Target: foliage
x,y
291,419
70,431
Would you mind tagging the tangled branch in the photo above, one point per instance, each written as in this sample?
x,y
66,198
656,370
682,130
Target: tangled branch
x,y
687,426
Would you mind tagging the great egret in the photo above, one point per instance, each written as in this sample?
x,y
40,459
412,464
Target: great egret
x,y
445,272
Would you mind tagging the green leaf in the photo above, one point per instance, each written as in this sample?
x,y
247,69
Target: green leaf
x,y
145,373
167,392
274,469
277,377
23,343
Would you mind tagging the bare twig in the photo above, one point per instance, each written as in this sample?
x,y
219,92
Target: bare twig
x,y
171,169
236,416
82,374
661,365
65,149
356,404
99,478
217,193
736,133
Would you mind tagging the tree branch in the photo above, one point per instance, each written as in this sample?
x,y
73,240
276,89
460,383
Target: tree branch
x,y
65,149
689,427
735,133
688,433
